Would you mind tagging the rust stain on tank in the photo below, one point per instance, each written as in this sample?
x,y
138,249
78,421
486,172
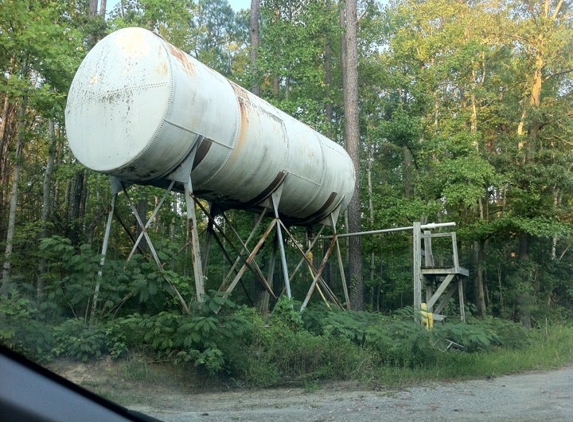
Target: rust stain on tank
x,y
162,68
181,57
246,109
134,44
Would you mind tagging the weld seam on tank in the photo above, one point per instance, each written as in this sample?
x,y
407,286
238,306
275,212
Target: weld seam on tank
x,y
159,129
88,98
304,178
232,145
169,122
221,144
321,183
322,214
168,112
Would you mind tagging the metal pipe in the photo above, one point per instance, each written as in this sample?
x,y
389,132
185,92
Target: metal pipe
x,y
430,226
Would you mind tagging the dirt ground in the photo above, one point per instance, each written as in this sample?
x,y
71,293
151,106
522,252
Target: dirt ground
x,y
538,396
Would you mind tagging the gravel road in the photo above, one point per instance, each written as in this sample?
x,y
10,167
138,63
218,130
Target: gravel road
x,y
538,396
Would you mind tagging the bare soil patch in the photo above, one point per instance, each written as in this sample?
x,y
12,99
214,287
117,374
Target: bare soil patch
x,y
176,397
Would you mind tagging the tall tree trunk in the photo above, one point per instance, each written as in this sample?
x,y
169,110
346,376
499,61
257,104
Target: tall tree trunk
x,y
524,298
103,7
255,42
46,205
531,138
352,141
14,193
75,207
4,177
371,221
328,79
263,296
408,161
93,8
479,290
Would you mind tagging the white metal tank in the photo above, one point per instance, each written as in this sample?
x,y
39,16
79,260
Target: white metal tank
x,y
138,107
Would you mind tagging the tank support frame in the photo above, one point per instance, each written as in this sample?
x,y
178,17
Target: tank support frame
x,y
245,256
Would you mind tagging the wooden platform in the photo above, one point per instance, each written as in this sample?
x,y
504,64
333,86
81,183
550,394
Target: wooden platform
x,y
448,279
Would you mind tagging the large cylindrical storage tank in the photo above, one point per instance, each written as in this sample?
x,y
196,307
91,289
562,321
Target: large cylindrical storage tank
x,y
138,107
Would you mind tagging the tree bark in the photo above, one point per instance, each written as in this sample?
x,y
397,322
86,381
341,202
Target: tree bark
x,y
14,194
103,7
328,79
479,290
524,298
46,205
408,162
255,42
352,141
4,177
75,208
93,8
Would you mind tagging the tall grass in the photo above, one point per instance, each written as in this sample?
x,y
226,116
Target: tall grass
x,y
548,349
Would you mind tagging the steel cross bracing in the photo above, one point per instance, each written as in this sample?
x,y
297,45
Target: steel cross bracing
x,y
241,256
239,253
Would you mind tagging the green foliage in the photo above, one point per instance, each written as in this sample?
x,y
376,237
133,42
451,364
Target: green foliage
x,y
72,273
273,353
473,337
286,315
350,325
288,348
77,340
21,329
399,341
196,338
509,334
140,284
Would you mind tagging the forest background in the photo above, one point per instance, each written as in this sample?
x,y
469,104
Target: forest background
x,y
465,116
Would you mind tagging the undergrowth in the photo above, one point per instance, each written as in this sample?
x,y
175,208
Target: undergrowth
x,y
221,339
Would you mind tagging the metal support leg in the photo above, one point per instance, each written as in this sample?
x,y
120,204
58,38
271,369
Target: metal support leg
x,y
245,248
341,265
461,298
195,249
210,235
103,255
275,200
152,249
303,253
417,264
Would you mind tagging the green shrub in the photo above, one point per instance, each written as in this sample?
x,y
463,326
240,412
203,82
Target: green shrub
x,y
197,338
402,343
510,335
286,314
350,325
77,340
280,351
473,337
21,329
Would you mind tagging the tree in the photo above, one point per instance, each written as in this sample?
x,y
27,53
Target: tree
x,y
255,42
352,142
465,72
